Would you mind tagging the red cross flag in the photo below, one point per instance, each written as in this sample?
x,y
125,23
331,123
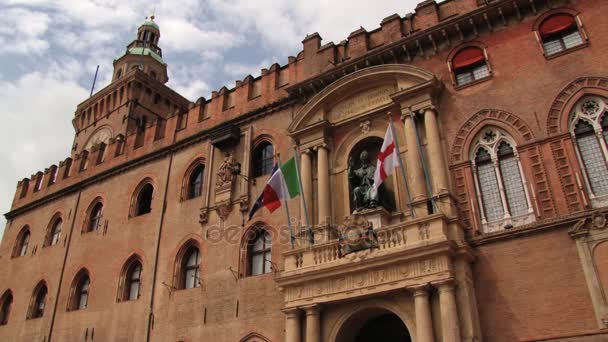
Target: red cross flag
x,y
387,159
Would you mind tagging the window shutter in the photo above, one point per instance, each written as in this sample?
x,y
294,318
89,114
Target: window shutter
x,y
467,57
555,24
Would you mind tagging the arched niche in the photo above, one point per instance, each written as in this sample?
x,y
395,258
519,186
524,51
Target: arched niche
x,y
357,94
362,171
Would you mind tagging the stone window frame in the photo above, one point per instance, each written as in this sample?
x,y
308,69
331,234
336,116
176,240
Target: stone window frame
x,y
76,291
134,208
595,120
22,241
260,143
5,313
50,231
455,52
251,234
186,182
34,310
125,279
88,221
491,146
557,11
179,274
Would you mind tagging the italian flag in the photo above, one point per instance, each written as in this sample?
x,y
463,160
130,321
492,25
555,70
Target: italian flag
x,y
282,185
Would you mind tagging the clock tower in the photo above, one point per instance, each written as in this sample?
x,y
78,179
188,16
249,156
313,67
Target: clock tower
x,y
136,99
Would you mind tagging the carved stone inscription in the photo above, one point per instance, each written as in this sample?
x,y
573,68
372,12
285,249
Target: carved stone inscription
x,y
362,102
365,279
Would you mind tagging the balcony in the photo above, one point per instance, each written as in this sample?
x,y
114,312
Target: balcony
x,y
406,254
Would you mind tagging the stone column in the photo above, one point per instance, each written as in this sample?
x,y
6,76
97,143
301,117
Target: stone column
x,y
449,314
306,174
439,177
293,325
414,165
313,323
323,184
424,321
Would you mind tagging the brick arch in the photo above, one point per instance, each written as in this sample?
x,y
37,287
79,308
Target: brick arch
x,y
513,124
557,118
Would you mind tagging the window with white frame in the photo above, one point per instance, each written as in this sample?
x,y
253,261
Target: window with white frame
x,y
589,129
503,199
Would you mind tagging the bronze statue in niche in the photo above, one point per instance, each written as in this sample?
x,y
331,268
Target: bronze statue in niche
x,y
362,181
361,168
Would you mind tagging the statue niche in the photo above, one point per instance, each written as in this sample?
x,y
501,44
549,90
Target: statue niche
x,y
362,162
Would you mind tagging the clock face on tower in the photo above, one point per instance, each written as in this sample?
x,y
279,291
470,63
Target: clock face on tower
x,y
102,135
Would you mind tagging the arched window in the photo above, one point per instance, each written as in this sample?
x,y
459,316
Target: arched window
x,y
189,268
23,240
94,217
263,159
6,303
502,195
38,301
80,291
469,65
589,129
143,203
54,233
118,74
195,182
559,32
259,252
131,281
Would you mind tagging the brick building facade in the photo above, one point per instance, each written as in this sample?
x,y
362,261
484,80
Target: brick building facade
x,y
499,234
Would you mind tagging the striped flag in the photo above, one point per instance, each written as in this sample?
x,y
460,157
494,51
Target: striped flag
x,y
282,185
387,159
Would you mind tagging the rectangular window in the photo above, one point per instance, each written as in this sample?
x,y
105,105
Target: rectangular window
x,y
490,193
470,74
514,187
594,162
560,43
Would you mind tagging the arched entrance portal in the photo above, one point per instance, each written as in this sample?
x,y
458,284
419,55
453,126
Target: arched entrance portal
x,y
372,325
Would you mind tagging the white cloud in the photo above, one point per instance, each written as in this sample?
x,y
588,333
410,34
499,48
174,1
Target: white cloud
x,y
22,31
37,110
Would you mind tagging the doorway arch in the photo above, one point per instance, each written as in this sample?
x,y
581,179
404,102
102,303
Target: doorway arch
x,y
371,324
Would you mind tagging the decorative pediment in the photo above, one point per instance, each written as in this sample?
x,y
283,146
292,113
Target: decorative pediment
x,y
357,94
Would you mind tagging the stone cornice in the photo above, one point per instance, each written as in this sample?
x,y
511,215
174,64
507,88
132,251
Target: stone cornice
x,y
160,153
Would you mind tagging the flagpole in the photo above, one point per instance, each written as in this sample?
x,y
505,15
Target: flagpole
x,y
303,198
427,180
291,237
401,166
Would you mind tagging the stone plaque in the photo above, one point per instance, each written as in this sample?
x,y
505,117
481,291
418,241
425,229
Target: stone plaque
x,y
362,102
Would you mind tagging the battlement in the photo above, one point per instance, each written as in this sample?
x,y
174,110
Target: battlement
x,y
432,28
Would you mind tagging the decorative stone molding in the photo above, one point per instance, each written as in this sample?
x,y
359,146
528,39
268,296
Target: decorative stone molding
x,y
557,117
510,122
227,172
369,279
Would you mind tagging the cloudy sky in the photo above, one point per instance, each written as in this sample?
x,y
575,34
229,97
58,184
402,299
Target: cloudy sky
x,y
50,49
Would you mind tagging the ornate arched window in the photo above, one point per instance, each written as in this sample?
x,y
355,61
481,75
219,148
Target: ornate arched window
x,y
589,129
6,303
263,159
259,248
469,65
194,186
79,294
23,240
143,200
500,183
559,32
188,267
130,283
94,216
38,301
54,232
